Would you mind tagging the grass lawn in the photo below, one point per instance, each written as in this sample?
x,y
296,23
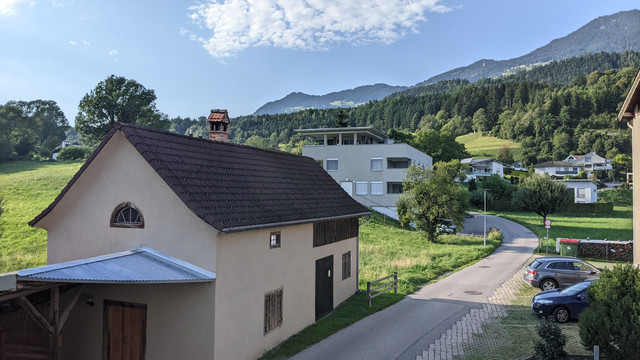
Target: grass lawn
x,y
615,226
488,146
27,188
384,249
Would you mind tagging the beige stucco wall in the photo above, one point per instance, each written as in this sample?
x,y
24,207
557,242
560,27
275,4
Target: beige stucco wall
x,y
180,320
78,227
248,269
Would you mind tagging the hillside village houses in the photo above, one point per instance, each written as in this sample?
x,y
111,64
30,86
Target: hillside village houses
x,y
365,162
165,246
629,112
480,169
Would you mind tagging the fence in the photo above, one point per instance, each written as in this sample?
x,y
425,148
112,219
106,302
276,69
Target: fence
x,y
387,285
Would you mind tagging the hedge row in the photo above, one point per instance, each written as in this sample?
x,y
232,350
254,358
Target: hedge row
x,y
591,208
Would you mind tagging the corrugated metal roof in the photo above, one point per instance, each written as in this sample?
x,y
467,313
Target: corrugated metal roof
x,y
138,266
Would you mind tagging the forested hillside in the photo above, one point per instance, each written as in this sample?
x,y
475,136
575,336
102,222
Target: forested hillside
x,y
551,113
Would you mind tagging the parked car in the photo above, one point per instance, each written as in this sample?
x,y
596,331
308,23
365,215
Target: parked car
x,y
562,305
554,272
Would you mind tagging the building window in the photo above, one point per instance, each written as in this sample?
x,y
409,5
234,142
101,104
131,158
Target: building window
x,y
126,215
346,265
376,188
332,164
394,188
274,240
581,193
272,310
361,187
376,164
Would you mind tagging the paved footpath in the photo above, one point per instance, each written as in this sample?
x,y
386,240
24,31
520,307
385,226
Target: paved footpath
x,y
414,327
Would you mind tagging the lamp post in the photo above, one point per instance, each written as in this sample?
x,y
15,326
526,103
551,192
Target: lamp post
x,y
485,218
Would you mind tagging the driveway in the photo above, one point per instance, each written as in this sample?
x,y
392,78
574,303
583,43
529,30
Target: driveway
x,y
405,329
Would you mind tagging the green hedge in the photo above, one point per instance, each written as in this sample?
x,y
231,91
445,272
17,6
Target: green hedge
x,y
591,208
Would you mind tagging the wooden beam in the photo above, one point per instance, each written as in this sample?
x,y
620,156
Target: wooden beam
x,y
35,314
67,310
20,293
54,316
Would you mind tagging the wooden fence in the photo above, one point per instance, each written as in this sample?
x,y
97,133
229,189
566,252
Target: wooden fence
x,y
384,285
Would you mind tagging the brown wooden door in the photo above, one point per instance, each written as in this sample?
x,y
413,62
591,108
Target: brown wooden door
x,y
125,329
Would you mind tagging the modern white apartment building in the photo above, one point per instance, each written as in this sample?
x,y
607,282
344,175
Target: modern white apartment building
x,y
368,165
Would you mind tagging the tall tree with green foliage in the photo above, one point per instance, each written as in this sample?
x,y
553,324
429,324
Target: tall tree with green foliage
x,y
440,145
117,99
612,320
505,155
432,196
18,132
542,195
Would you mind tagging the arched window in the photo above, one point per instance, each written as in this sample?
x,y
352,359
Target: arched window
x,y
126,215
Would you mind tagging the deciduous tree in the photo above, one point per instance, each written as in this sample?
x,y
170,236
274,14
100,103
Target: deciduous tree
x,y
117,99
432,196
542,195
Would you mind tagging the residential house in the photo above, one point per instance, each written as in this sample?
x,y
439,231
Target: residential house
x,y
480,169
175,247
557,168
584,190
64,144
629,113
590,162
369,166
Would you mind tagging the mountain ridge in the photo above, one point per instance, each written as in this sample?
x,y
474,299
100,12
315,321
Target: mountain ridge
x,y
610,33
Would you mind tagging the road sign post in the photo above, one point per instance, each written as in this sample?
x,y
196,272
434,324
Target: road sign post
x,y
547,224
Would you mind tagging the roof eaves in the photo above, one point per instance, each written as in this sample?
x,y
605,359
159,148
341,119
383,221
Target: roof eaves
x,y
288,223
626,111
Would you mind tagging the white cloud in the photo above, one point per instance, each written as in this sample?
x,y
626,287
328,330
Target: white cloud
x,y
8,7
73,43
113,52
307,25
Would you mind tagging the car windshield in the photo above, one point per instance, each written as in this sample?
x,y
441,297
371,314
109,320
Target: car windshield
x,y
574,289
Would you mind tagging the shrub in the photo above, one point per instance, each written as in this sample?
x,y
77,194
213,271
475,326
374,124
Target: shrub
x,y
476,198
495,234
74,153
612,320
551,345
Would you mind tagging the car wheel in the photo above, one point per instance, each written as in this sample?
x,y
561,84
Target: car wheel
x,y
548,284
561,315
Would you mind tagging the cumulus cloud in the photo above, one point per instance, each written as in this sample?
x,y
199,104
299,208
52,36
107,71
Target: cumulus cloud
x,y
8,7
308,25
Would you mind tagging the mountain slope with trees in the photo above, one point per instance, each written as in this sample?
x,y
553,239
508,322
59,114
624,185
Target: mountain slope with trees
x,y
612,33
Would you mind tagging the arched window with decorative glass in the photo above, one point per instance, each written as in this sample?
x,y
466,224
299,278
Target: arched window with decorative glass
x,y
127,215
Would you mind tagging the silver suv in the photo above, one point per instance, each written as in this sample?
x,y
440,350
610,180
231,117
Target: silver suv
x,y
558,272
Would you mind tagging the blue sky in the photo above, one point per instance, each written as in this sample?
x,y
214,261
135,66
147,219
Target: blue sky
x,y
240,54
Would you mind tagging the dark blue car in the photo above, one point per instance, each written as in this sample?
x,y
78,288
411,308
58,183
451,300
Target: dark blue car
x,y
564,304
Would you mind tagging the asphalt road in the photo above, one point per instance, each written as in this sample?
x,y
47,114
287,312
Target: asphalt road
x,y
405,329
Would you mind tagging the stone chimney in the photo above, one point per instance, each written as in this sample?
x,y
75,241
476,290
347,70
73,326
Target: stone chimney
x,y
218,125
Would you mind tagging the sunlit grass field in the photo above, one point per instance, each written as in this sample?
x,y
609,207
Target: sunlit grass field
x,y
488,146
27,188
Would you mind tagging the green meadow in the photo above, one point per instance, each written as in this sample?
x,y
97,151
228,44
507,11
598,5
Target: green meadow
x,y
487,146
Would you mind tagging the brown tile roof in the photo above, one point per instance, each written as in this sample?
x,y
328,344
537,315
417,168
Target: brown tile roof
x,y
235,187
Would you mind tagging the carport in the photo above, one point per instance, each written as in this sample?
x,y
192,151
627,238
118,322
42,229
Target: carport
x,y
36,303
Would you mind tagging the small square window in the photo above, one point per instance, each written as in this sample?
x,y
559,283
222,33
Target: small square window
x,y
332,164
376,164
376,188
274,240
361,187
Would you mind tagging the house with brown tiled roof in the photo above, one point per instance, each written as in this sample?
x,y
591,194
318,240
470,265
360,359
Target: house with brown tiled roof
x,y
173,247
630,112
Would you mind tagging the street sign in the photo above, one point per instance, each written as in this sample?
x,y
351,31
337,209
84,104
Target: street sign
x,y
547,224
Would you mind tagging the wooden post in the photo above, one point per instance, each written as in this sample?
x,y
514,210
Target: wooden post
x,y
54,318
369,292
395,280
